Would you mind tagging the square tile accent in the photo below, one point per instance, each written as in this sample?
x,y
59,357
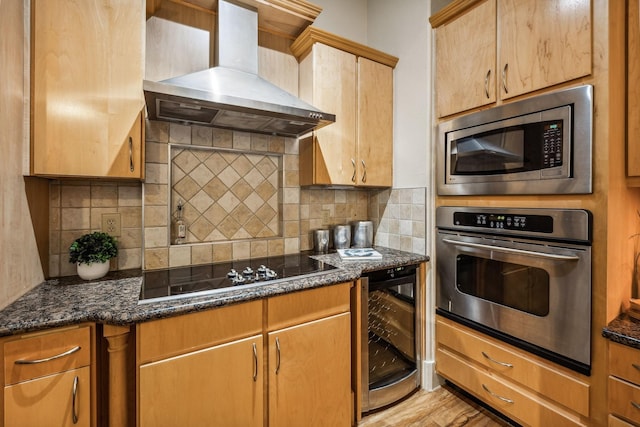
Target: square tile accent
x,y
227,195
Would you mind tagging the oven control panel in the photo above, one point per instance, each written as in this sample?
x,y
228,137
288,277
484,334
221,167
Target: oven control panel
x,y
535,223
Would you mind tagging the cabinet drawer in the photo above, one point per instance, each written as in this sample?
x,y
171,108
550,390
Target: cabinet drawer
x,y
524,407
168,337
624,399
523,369
49,401
617,422
37,355
624,362
299,307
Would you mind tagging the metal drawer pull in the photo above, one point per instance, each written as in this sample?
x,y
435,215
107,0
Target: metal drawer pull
x,y
486,84
353,178
74,409
635,365
504,78
48,359
513,251
255,362
635,405
497,396
131,154
277,355
364,171
506,365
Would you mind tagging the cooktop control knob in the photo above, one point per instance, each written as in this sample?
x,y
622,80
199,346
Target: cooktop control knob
x,y
238,280
232,274
262,271
271,274
247,272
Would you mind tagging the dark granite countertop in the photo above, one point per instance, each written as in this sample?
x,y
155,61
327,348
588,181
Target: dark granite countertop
x,y
623,330
114,299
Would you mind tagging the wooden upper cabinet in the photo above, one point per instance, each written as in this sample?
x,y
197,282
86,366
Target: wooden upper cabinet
x,y
355,83
633,89
493,50
542,43
375,124
466,60
87,100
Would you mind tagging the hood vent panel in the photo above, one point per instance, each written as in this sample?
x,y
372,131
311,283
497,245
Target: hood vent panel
x,y
232,95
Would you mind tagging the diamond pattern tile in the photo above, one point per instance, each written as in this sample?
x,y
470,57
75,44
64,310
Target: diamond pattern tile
x,y
228,195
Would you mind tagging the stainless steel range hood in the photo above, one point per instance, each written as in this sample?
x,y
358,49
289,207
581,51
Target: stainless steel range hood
x,y
232,95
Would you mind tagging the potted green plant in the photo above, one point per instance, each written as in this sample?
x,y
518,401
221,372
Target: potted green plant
x,y
91,253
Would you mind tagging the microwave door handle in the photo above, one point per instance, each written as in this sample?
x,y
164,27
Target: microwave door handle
x,y
513,251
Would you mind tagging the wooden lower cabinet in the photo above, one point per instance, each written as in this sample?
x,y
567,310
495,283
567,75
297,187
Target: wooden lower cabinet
x,y
525,388
283,361
219,386
48,378
310,374
624,385
50,401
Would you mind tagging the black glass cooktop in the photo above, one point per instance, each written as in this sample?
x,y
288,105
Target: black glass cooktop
x,y
196,280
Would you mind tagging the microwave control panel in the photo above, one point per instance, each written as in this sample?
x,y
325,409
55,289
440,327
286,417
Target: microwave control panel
x,y
535,223
552,144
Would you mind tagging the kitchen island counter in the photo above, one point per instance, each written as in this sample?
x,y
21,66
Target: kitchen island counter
x,y
114,300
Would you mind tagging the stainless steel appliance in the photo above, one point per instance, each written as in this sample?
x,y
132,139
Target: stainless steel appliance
x,y
232,95
362,234
541,145
174,283
390,336
520,275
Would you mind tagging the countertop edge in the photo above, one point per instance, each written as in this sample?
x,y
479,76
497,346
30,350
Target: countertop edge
x,y
63,302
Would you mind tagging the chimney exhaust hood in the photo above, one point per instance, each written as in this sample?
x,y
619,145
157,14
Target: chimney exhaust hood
x,y
231,95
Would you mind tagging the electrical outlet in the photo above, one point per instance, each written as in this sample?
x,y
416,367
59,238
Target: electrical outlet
x,y
326,216
111,224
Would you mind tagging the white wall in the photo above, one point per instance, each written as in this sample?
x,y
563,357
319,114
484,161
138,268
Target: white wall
x,y
347,18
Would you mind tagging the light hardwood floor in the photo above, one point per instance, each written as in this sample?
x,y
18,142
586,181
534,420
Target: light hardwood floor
x,y
442,407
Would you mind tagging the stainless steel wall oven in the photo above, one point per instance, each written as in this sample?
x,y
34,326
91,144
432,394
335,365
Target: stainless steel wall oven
x,y
519,275
390,336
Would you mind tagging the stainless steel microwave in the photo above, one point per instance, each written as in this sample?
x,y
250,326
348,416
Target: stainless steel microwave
x,y
540,145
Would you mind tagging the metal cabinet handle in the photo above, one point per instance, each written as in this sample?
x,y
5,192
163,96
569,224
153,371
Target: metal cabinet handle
x,y
635,365
504,78
255,362
353,178
74,409
131,168
277,355
490,359
364,171
48,359
635,405
486,84
497,396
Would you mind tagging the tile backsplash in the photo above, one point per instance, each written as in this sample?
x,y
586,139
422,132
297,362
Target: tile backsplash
x,y
242,196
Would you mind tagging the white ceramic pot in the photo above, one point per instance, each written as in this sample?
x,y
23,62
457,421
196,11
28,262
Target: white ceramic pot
x,y
93,271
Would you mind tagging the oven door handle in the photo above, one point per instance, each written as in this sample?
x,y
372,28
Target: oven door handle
x,y
512,251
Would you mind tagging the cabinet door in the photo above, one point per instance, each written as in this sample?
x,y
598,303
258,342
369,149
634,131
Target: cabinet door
x,y
332,77
633,89
542,43
466,61
50,401
310,374
375,124
87,95
218,386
